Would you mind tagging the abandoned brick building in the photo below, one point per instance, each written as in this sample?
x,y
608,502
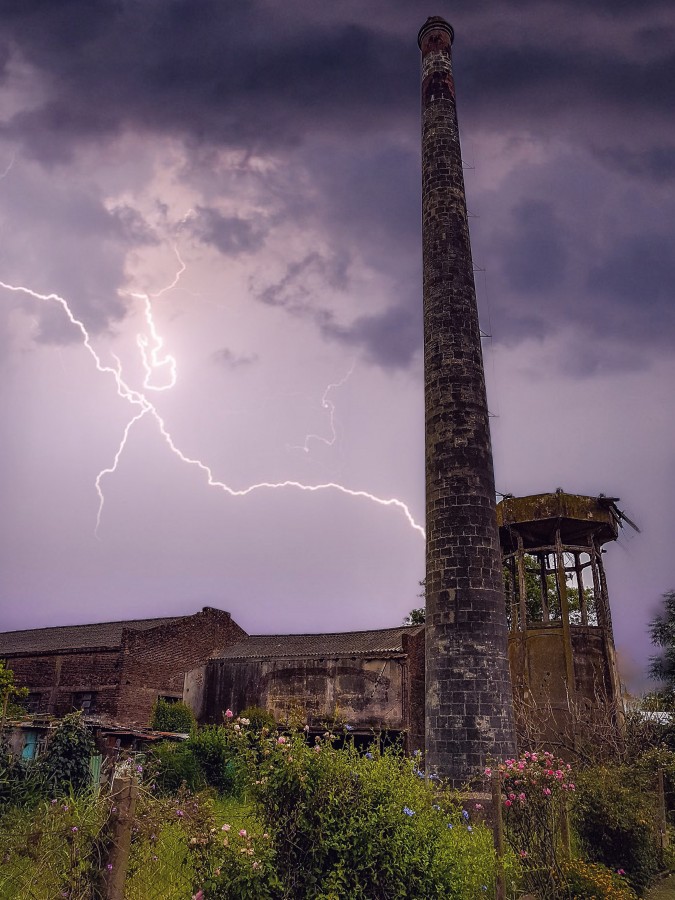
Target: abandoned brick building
x,y
115,671
370,681
561,647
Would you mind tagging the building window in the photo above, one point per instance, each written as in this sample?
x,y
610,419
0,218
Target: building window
x,y
85,700
35,702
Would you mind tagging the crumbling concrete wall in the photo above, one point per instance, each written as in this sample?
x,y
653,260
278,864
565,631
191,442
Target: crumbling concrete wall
x,y
364,693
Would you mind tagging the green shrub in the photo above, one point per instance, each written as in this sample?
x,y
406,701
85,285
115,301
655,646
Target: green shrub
x,y
172,765
20,782
65,762
176,717
218,752
614,820
343,824
259,718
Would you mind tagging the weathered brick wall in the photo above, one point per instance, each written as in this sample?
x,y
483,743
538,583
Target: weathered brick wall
x,y
57,676
154,662
468,692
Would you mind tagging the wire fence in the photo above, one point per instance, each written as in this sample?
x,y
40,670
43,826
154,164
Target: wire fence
x,y
122,843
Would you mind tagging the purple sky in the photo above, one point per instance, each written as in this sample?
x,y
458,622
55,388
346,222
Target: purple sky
x,y
268,154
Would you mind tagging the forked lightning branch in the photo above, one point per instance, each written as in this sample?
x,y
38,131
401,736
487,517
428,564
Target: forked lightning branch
x,y
160,370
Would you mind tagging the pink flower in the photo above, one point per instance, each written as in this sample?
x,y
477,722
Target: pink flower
x,y
620,872
570,786
522,798
507,803
228,713
281,739
523,854
199,895
242,833
512,796
225,827
488,772
547,791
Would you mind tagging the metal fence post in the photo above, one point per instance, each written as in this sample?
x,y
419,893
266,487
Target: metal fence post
x,y
123,798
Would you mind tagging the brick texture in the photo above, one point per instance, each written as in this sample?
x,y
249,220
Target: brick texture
x,y
469,710
124,680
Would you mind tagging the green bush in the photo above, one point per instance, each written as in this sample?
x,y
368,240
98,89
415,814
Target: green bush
x,y
20,781
343,824
175,717
65,762
218,752
172,765
614,820
259,718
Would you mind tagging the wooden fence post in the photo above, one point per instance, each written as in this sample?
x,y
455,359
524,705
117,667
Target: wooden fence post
x,y
565,831
123,799
662,823
498,832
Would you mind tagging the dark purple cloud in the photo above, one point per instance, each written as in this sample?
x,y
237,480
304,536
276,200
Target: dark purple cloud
x,y
231,235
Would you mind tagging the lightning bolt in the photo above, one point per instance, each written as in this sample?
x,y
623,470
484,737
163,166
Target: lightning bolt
x,y
151,348
152,359
8,168
330,406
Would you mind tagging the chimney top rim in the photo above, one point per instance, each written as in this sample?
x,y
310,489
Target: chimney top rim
x,y
435,23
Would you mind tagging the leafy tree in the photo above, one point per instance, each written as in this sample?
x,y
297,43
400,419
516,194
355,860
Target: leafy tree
x,y
417,616
533,604
175,717
662,633
9,694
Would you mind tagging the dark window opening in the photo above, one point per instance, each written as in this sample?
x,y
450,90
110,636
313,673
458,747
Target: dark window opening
x,y
85,700
35,702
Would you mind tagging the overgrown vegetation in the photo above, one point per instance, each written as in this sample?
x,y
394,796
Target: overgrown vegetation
x,y
172,716
242,811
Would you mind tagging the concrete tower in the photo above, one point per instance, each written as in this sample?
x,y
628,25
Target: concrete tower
x,y
469,707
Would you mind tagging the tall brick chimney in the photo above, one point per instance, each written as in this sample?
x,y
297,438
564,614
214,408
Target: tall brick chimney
x,y
469,707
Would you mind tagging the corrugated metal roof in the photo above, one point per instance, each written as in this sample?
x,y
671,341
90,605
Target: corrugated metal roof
x,y
69,637
383,642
